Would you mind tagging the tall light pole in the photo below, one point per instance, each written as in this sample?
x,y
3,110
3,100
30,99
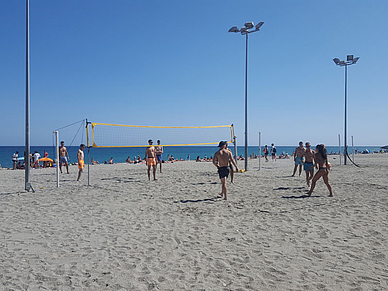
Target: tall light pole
x,y
245,30
27,141
350,60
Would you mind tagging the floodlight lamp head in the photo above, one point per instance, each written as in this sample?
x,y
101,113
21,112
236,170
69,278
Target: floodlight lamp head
x,y
244,30
234,29
249,25
342,63
355,60
349,58
260,24
336,61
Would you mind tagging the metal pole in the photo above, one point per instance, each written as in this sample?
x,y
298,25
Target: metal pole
x,y
27,142
57,156
345,139
339,145
352,148
259,150
246,102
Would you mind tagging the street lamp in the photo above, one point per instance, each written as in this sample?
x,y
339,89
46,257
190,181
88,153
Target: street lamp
x,y
350,60
245,30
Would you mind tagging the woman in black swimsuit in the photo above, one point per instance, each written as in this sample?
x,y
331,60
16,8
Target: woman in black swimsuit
x,y
323,166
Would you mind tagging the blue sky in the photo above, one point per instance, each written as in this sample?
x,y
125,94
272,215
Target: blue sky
x,y
174,63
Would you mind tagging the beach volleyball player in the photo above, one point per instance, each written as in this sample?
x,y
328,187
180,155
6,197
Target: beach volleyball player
x,y
221,160
150,158
159,152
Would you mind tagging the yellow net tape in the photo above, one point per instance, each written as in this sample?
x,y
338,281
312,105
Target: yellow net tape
x,y
107,135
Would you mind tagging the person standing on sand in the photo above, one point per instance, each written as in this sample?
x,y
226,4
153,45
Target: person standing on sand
x,y
80,157
298,155
323,166
159,152
308,164
230,165
15,157
221,160
266,153
273,152
151,159
62,157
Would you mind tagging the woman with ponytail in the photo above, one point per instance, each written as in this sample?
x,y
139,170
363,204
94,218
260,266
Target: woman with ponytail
x,y
323,166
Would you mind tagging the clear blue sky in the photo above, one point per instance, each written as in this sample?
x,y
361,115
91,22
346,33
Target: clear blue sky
x,y
174,63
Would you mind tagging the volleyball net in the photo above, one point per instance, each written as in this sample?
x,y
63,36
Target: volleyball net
x,y
105,135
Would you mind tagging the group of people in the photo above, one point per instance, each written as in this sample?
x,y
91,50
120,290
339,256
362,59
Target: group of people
x,y
34,158
223,160
153,157
310,159
266,151
64,159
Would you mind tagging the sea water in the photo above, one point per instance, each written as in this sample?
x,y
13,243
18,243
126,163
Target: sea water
x,y
180,152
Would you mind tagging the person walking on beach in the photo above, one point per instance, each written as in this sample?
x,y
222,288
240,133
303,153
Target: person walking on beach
x,y
230,164
323,166
273,152
15,157
298,155
221,160
308,164
151,159
159,152
265,151
62,157
81,163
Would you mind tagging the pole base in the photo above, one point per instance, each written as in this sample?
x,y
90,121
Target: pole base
x,y
29,187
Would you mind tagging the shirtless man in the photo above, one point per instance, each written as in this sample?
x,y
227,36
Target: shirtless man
x,y
81,162
221,160
159,152
62,157
308,164
150,159
298,154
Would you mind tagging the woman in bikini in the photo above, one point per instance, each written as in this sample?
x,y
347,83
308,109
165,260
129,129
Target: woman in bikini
x,y
323,166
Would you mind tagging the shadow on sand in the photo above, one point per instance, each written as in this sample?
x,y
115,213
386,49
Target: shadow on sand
x,y
199,200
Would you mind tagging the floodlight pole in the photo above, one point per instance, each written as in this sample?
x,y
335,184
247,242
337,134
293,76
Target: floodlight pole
x,y
245,30
346,110
246,102
27,150
349,61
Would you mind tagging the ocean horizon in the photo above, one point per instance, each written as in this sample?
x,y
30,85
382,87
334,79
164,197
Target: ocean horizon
x,y
179,152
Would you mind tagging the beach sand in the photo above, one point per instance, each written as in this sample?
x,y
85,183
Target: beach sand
x,y
127,233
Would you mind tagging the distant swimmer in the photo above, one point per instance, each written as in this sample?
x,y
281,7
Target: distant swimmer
x,y
308,164
81,162
323,166
62,157
298,156
159,152
222,159
150,159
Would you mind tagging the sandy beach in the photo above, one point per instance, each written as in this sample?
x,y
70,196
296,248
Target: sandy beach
x,y
124,232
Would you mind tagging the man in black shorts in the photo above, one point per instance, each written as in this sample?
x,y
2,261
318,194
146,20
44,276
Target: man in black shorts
x,y
221,160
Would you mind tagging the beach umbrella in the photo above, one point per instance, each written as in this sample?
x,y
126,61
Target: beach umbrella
x,y
45,160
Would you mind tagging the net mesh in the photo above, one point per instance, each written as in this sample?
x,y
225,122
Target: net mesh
x,y
101,135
